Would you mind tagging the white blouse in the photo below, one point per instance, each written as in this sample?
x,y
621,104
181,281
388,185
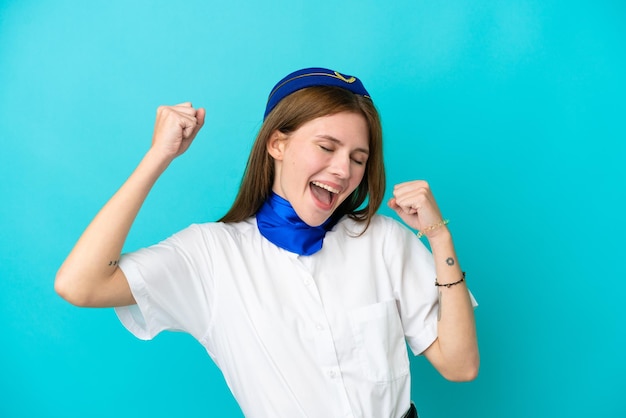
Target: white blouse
x,y
294,336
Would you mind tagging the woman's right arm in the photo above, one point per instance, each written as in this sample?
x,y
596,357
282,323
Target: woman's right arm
x,y
90,275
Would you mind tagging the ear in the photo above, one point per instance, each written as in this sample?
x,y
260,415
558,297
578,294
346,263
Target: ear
x,y
276,145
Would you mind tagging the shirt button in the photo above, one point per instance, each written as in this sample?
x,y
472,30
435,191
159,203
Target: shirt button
x,y
319,327
307,282
332,373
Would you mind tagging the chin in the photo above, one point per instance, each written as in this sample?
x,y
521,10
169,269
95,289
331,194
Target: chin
x,y
314,220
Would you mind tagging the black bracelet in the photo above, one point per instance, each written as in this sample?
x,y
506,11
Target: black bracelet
x,y
448,285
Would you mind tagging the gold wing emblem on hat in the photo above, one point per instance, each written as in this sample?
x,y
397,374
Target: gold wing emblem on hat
x,y
343,78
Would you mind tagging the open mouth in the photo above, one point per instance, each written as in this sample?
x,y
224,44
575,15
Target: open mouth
x,y
324,193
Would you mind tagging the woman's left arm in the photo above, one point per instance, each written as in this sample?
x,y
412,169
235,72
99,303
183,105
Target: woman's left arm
x,y
455,351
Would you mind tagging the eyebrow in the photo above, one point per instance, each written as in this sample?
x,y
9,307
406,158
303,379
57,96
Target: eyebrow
x,y
337,141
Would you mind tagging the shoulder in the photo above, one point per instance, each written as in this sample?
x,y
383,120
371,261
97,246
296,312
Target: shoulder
x,y
213,232
384,222
231,228
380,225
383,234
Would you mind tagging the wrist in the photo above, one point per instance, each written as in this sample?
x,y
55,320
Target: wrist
x,y
450,284
157,159
428,231
440,235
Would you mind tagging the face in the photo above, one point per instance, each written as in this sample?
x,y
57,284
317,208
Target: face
x,y
320,164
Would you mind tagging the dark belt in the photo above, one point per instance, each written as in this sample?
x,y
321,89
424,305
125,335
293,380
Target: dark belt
x,y
411,413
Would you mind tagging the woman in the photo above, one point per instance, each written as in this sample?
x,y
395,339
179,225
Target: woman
x,y
301,294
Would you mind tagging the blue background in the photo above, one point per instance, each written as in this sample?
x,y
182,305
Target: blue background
x,y
513,110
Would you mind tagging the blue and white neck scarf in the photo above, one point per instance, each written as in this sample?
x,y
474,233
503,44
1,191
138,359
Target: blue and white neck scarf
x,y
280,224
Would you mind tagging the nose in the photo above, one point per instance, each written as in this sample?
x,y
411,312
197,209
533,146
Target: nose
x,y
340,166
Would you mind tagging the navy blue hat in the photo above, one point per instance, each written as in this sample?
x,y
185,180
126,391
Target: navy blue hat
x,y
309,77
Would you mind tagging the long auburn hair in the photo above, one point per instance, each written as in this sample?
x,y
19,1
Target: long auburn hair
x,y
292,112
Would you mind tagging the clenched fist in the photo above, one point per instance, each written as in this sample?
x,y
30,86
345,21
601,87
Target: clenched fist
x,y
414,202
175,128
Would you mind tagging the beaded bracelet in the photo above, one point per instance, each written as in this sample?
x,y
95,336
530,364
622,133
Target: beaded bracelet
x,y
448,285
420,234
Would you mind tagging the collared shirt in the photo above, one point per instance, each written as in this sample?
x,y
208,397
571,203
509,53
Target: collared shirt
x,y
295,336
